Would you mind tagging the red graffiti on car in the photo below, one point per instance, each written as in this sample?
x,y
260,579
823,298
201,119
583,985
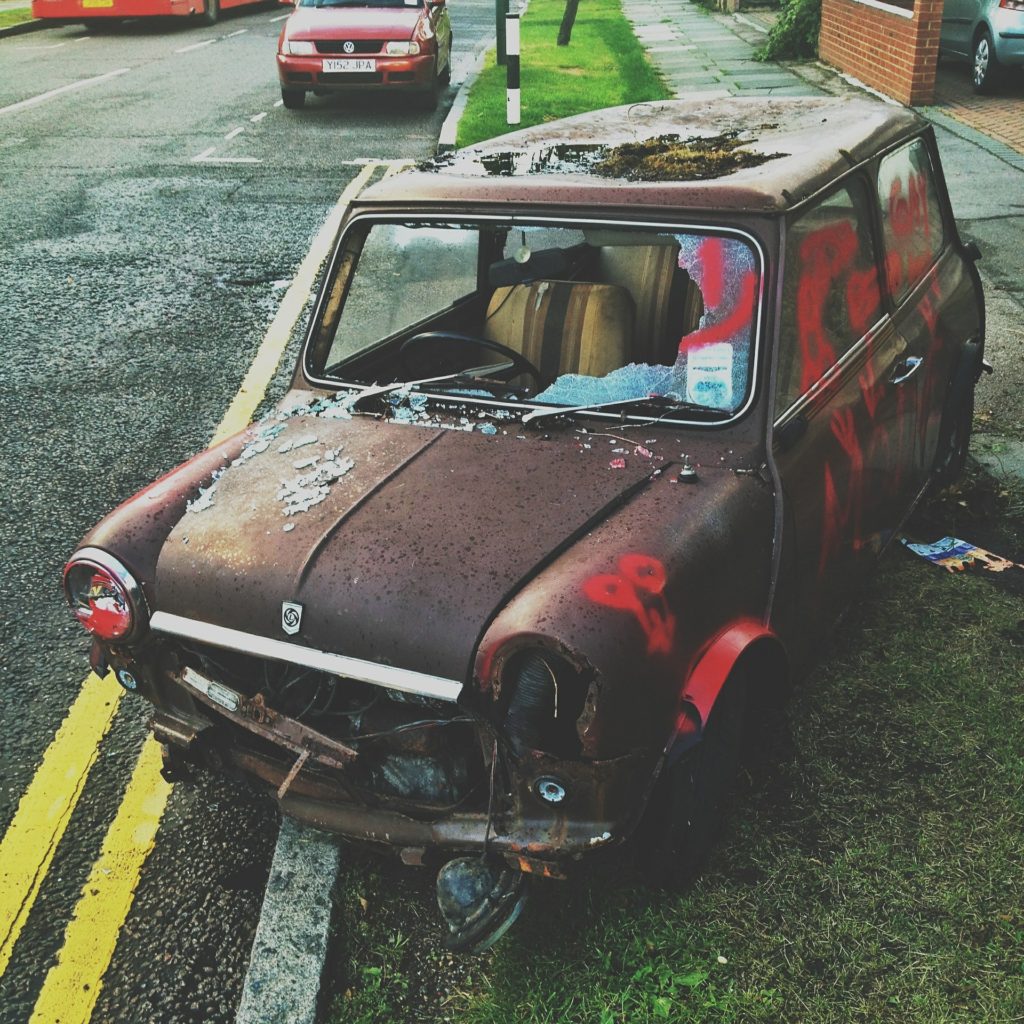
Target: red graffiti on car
x,y
638,588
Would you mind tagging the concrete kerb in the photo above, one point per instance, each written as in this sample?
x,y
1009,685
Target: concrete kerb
x,y
27,26
283,982
450,128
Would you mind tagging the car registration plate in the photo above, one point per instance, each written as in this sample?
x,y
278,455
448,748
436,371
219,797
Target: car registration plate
x,y
97,3
337,64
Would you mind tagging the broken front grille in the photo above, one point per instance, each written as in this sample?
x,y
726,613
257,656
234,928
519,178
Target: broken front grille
x,y
386,743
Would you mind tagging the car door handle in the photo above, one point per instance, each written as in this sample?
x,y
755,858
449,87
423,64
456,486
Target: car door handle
x,y
906,369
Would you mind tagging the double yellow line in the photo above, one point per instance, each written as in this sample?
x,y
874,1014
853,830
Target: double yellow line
x,y
27,849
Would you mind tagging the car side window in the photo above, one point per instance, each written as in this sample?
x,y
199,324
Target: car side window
x,y
912,227
831,295
404,276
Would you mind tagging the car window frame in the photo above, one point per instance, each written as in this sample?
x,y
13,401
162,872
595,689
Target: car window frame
x,y
868,184
528,217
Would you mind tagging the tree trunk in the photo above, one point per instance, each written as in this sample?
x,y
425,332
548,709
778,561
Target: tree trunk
x,y
568,20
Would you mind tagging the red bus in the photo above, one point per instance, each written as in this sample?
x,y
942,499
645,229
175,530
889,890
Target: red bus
x,y
93,12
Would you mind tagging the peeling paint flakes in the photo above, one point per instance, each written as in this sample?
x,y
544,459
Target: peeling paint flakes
x,y
306,463
205,499
299,442
288,527
617,464
602,838
302,493
644,452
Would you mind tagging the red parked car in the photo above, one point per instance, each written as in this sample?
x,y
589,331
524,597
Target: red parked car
x,y
338,46
596,429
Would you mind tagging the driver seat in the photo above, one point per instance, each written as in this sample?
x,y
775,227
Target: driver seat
x,y
564,326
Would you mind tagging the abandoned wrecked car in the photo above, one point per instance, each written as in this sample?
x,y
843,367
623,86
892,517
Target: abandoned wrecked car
x,y
595,430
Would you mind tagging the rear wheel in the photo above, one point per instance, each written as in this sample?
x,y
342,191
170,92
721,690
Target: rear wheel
x,y
949,464
293,99
987,69
695,792
211,12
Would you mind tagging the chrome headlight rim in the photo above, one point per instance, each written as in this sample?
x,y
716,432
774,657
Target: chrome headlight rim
x,y
97,558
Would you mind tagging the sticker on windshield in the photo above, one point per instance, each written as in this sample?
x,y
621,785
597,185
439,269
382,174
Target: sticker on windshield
x,y
709,375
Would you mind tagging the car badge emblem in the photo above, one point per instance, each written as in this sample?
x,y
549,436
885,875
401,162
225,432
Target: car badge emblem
x,y
291,617
349,47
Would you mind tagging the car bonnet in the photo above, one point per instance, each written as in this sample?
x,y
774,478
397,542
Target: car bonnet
x,y
401,549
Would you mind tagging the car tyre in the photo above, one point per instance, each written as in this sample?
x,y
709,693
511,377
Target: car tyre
x,y
949,464
211,12
293,99
986,65
691,803
428,100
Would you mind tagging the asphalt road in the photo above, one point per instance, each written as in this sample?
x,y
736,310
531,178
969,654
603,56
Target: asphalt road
x,y
152,217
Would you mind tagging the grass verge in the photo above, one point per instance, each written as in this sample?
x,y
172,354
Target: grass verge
x,y
15,17
873,876
603,66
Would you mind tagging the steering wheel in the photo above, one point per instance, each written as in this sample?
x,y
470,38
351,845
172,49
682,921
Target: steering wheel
x,y
520,364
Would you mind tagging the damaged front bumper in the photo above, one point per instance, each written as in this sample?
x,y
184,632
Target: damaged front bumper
x,y
421,777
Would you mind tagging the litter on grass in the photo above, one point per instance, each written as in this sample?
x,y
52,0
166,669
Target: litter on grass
x,y
955,555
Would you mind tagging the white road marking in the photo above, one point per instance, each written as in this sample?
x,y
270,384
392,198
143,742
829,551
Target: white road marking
x,y
256,118
231,134
73,87
196,46
281,17
240,32
202,156
279,103
82,39
52,46
203,159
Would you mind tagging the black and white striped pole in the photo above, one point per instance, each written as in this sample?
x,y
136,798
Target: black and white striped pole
x,y
512,69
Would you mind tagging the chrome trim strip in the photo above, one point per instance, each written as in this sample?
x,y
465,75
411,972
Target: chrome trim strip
x,y
402,679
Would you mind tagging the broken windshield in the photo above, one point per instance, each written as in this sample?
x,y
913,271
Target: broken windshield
x,y
569,316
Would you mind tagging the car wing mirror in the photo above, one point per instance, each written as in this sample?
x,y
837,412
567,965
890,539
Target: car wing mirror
x,y
972,252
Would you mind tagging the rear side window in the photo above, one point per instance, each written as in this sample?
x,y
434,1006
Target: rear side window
x,y
831,294
911,216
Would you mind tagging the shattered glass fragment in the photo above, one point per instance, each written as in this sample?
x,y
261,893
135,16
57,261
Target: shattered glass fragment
x,y
617,464
637,380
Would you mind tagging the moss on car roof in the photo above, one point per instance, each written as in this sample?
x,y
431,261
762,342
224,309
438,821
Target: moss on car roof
x,y
752,154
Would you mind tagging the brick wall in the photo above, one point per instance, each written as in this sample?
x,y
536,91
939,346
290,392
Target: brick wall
x,y
882,47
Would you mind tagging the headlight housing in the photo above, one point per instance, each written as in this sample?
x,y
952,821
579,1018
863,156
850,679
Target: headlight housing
x,y
104,596
544,697
299,47
407,49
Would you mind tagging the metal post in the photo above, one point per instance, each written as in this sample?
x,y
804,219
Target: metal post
x,y
500,14
512,39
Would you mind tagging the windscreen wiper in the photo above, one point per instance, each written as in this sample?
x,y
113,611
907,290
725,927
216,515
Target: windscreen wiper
x,y
462,379
661,404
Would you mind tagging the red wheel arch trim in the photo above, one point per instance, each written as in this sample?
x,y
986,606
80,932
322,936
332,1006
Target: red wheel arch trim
x,y
710,673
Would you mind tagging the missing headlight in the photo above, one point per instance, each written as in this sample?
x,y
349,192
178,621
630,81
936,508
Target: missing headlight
x,y
545,698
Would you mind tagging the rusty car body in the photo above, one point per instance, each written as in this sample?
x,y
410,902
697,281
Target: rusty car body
x,y
595,431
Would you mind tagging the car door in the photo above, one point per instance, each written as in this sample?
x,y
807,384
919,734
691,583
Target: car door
x,y
928,282
957,18
844,417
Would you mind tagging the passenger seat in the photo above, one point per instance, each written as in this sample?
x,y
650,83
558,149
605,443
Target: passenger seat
x,y
564,326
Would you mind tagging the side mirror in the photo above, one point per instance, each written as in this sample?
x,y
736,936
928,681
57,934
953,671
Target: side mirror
x,y
972,252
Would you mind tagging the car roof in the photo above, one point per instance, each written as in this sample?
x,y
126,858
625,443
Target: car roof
x,y
798,145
